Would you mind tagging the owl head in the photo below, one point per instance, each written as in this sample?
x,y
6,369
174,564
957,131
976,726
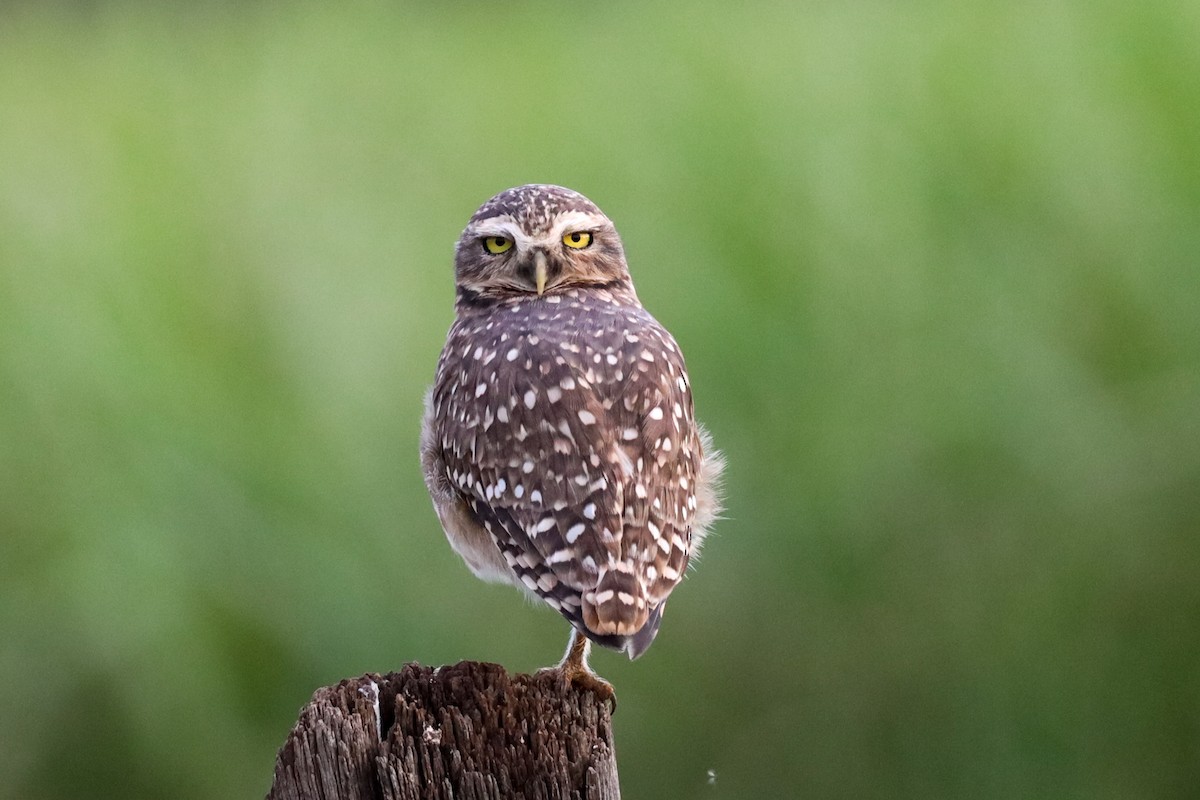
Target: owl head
x,y
536,240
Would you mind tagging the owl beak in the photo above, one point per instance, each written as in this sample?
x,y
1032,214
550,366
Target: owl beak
x,y
539,271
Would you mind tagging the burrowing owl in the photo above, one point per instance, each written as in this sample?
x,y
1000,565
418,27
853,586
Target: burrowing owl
x,y
559,443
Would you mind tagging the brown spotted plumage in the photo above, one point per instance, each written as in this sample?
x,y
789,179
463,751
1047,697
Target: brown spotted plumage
x,y
559,444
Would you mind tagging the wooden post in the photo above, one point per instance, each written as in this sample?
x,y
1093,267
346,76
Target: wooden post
x,y
464,732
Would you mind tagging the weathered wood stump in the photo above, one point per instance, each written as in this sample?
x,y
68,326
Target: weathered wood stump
x,y
464,732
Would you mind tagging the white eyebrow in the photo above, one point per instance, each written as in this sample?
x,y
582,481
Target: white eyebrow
x,y
575,220
504,226
507,227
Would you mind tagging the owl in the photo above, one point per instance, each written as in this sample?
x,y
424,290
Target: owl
x,y
559,442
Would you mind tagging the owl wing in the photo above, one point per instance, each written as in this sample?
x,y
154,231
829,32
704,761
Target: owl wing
x,y
576,454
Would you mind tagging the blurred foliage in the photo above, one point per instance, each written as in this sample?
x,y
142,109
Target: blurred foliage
x,y
936,267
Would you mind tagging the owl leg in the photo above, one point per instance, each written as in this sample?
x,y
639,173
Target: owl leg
x,y
574,667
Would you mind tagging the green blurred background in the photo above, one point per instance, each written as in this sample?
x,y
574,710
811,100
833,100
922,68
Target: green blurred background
x,y
936,267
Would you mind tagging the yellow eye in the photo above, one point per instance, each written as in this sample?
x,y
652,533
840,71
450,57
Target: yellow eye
x,y
577,239
497,244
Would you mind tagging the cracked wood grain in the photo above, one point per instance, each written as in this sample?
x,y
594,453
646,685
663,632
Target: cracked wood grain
x,y
464,732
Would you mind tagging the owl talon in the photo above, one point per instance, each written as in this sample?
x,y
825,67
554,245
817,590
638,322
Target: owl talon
x,y
591,682
588,681
575,670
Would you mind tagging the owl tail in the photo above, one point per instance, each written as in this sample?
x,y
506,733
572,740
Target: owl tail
x,y
638,643
617,606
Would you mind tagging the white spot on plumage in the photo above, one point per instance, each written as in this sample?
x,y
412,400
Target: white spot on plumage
x,y
587,417
575,531
559,556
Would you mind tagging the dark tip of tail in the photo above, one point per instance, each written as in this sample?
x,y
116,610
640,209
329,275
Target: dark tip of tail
x,y
640,642
635,644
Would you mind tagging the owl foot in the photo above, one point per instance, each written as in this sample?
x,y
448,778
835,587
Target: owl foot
x,y
589,681
574,668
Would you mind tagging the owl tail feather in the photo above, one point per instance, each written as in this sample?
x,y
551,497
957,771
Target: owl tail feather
x,y
640,642
617,606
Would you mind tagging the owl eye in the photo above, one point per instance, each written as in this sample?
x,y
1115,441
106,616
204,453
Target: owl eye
x,y
577,240
497,244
